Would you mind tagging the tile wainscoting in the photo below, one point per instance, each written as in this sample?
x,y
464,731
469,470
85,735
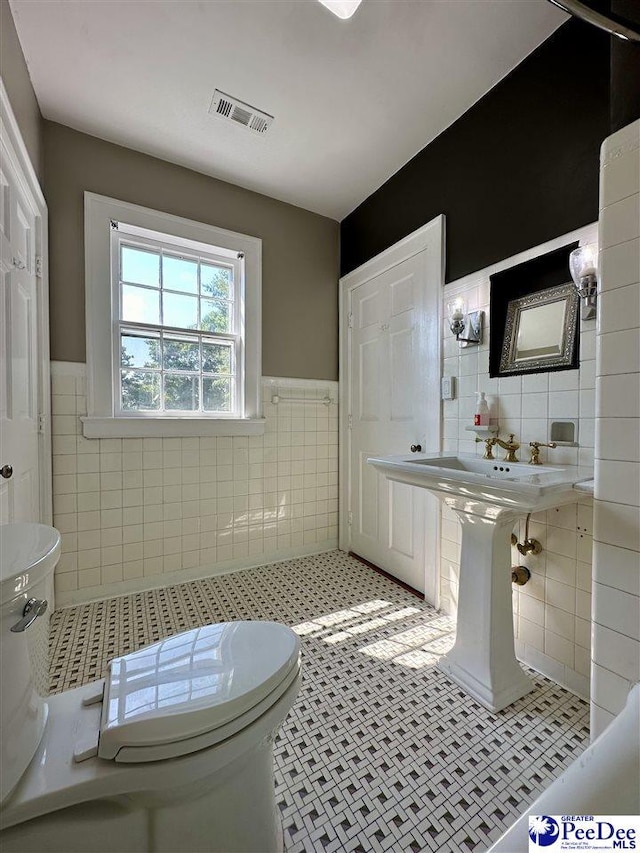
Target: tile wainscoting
x,y
616,597
142,513
552,612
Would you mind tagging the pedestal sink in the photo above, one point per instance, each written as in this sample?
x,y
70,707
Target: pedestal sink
x,y
488,496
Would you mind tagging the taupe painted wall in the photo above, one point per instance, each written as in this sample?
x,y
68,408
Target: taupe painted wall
x,y
300,249
15,76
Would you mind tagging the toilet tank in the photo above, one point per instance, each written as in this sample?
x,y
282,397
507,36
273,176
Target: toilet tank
x,y
28,555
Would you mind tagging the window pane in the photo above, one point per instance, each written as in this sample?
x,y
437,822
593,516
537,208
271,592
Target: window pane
x,y
216,281
181,392
216,358
140,390
180,311
138,351
181,355
215,316
140,267
140,305
179,274
216,394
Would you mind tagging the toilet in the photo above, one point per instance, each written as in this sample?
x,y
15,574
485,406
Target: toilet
x,y
172,751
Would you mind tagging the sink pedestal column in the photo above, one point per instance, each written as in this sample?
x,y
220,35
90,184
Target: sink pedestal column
x,y
483,660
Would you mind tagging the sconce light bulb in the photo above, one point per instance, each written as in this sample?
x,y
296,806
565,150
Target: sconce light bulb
x,y
583,262
456,309
457,315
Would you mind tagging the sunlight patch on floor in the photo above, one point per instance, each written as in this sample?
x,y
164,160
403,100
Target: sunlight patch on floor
x,y
401,614
415,647
371,625
319,624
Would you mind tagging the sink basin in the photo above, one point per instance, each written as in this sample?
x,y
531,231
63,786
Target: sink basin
x,y
488,496
513,485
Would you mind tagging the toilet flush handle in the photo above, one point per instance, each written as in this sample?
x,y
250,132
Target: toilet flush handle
x,y
33,608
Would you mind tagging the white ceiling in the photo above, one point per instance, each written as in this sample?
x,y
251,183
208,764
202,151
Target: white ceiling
x,y
353,100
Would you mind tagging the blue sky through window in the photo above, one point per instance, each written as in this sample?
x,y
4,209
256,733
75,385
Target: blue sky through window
x,y
142,267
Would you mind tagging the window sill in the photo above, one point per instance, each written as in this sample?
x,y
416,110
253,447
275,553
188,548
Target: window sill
x,y
96,427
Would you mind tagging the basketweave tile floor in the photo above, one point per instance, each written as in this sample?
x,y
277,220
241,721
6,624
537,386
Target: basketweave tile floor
x,y
381,752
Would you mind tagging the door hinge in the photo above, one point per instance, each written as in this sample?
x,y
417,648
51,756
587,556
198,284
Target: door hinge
x,y
42,423
349,518
350,421
350,321
38,266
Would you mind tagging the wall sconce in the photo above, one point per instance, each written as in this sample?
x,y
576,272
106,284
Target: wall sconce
x,y
583,264
466,327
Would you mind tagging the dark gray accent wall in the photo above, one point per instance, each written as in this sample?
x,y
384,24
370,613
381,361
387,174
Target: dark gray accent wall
x,y
299,248
517,169
15,76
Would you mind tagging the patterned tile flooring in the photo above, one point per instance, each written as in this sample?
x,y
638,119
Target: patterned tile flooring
x,y
381,752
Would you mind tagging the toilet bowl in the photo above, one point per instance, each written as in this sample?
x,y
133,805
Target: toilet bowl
x,y
172,751
28,555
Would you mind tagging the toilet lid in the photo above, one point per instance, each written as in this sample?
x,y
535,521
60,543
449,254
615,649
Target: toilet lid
x,y
193,683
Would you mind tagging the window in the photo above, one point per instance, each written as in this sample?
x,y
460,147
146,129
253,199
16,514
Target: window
x,y
178,340
181,351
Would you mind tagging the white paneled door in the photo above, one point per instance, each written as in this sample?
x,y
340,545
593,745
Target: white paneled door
x,y
19,452
394,405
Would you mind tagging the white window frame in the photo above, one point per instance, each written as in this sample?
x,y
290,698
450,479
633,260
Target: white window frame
x,y
127,235
104,418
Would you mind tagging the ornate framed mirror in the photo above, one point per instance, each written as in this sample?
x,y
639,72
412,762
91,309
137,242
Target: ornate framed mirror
x,y
534,317
540,330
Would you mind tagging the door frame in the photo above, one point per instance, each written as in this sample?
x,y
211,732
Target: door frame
x,y
431,235
14,152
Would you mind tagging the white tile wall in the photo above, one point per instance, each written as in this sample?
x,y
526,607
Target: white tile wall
x,y
552,611
616,591
139,513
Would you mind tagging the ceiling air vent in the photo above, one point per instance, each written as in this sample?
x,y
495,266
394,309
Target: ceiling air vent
x,y
225,106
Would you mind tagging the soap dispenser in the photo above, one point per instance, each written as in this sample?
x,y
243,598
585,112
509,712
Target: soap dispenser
x,y
481,417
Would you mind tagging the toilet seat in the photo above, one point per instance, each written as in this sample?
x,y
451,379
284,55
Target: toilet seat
x,y
54,780
186,692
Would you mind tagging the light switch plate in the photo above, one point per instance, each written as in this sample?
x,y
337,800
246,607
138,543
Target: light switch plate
x,y
448,388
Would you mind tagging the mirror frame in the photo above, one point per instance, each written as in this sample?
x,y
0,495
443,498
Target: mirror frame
x,y
509,362
527,279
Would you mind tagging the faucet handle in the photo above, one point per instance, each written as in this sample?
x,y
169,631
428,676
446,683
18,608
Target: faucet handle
x,y
488,446
535,451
